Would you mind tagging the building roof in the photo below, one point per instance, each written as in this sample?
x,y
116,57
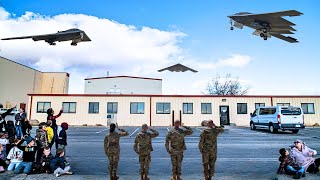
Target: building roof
x,y
134,77
183,96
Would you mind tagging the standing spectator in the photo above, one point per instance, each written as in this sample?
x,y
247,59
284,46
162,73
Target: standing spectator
x,y
3,123
26,128
20,119
41,136
62,138
11,130
3,158
15,156
28,157
58,164
50,133
54,126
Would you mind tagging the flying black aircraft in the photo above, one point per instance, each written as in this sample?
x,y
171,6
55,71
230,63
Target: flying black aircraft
x,y
178,68
74,35
267,24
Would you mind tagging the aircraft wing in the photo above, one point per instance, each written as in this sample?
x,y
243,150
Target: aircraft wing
x,y
178,68
285,38
85,37
21,37
35,38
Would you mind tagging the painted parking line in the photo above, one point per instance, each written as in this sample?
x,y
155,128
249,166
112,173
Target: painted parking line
x,y
102,131
134,132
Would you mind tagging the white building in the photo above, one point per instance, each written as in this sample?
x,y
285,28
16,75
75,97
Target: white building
x,y
123,85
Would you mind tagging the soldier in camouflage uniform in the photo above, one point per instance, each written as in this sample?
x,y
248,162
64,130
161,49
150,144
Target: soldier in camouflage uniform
x,y
112,149
208,148
175,146
143,147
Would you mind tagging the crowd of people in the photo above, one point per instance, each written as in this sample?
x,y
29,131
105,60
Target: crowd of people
x,y
20,152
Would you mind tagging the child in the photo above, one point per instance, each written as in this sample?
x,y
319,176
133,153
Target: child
x,y
4,141
41,136
15,156
50,133
3,123
26,128
11,129
59,165
54,126
29,153
2,159
62,138
288,164
45,161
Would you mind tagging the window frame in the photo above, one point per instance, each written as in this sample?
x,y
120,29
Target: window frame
x,y
69,107
206,110
113,111
187,108
43,106
314,110
163,109
89,112
131,111
246,112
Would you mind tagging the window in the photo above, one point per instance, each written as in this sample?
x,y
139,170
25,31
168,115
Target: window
x,y
137,108
42,107
93,108
260,105
242,108
206,108
283,104
308,108
187,108
69,107
163,108
267,111
112,108
290,111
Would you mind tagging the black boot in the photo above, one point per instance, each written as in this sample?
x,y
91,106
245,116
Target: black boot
x,y
297,176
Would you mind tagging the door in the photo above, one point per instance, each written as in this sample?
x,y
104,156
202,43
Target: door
x,y
23,105
224,115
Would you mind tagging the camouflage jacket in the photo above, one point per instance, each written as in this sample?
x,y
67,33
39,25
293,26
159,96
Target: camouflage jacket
x,y
208,138
175,139
111,141
42,137
142,143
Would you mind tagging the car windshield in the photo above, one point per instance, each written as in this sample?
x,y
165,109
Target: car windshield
x,y
294,111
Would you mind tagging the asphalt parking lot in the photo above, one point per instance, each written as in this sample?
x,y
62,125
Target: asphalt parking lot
x,y
242,154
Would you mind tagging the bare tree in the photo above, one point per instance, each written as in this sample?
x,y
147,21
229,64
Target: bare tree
x,y
226,86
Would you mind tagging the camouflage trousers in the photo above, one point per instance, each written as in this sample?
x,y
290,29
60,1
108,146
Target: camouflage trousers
x,y
113,163
176,160
209,158
144,161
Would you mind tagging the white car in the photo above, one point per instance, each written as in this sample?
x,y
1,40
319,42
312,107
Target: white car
x,y
277,118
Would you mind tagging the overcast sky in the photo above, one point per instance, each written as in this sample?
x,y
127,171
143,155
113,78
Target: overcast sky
x,y
137,38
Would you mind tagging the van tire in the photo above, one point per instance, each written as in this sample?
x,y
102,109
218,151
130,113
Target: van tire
x,y
272,129
295,131
252,126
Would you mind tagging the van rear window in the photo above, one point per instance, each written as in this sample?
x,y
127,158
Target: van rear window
x,y
266,111
291,111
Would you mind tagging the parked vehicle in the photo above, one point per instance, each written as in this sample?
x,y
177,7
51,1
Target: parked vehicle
x,y
277,118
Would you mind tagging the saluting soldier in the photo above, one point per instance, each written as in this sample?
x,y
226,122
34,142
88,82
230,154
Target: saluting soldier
x,y
175,146
208,148
143,147
112,149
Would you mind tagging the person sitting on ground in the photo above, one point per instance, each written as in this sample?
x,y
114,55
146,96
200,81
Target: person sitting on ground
x,y
11,130
2,159
10,145
45,161
15,156
41,136
62,138
50,133
58,164
29,153
288,165
26,127
303,156
3,123
4,141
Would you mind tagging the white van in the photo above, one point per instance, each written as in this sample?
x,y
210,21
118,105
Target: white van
x,y
278,118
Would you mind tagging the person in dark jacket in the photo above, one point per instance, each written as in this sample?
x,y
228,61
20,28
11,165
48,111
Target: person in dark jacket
x,y
11,130
26,128
54,125
288,165
45,161
62,138
3,123
29,153
58,164
20,118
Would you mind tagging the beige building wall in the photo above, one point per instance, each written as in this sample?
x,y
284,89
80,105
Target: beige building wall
x,y
17,81
124,117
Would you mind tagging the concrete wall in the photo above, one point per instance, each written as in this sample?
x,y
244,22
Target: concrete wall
x,y
125,118
123,85
55,83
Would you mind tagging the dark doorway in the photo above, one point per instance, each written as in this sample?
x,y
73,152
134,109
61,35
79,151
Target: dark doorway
x,y
224,115
23,105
